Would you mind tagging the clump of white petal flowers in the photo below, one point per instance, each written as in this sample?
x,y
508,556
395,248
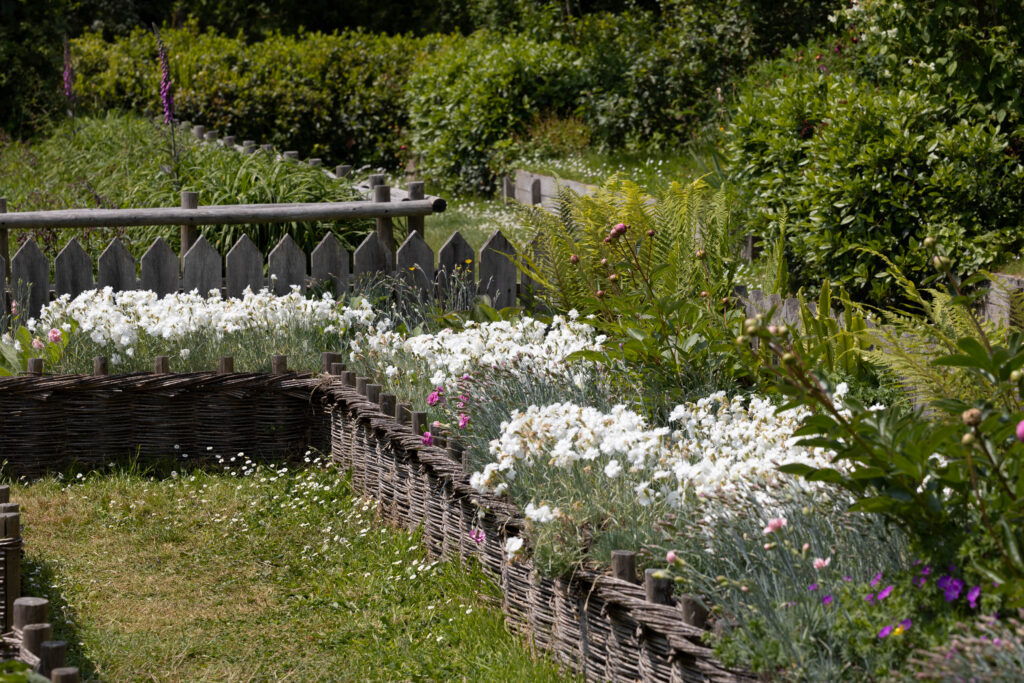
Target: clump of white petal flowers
x,y
720,447
118,318
524,346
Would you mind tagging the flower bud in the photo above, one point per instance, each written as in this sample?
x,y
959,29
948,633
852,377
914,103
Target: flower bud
x,y
1016,375
614,277
783,330
600,294
967,439
789,358
971,417
574,259
929,243
751,329
650,233
701,254
942,262
741,340
772,329
704,295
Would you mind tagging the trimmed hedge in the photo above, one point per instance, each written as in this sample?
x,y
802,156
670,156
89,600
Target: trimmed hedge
x,y
339,96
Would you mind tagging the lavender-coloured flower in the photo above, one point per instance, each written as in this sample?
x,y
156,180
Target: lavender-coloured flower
x,y
827,600
166,96
69,74
972,596
885,632
477,536
950,587
885,592
427,439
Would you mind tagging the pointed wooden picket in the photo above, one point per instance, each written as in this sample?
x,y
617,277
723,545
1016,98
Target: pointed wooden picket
x,y
72,270
369,258
202,268
244,267
498,271
116,267
329,263
415,262
30,278
287,266
456,262
159,268
774,301
791,311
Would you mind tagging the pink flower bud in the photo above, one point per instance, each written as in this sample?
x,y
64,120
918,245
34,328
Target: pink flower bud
x,y
670,557
574,259
54,336
1020,431
820,563
37,344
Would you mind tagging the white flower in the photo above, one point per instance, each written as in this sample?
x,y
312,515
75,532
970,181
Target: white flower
x,y
184,353
512,547
612,469
541,514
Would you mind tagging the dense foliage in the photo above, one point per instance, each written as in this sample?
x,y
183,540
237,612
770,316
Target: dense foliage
x,y
30,62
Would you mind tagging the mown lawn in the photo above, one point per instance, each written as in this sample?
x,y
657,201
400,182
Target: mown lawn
x,y
254,574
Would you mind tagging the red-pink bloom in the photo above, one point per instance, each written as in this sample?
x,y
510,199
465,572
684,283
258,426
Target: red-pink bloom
x,y
477,536
428,439
54,336
775,524
37,344
435,396
463,420
670,557
820,563
1020,427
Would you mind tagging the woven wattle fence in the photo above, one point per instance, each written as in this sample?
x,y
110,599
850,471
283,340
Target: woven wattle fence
x,y
600,626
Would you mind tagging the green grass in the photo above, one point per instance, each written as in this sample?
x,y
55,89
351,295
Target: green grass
x,y
476,219
254,574
650,171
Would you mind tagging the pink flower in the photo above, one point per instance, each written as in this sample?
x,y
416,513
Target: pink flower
x,y
774,525
885,632
14,311
477,536
1020,425
820,563
37,344
827,600
463,420
435,396
885,592
428,439
670,557
54,336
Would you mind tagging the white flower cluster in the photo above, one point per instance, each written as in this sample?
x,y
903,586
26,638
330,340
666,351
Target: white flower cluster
x,y
525,346
118,318
724,447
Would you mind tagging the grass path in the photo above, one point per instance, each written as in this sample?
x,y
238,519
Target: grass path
x,y
254,574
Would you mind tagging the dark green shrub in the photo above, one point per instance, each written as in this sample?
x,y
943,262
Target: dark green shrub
x,y
30,63
468,101
335,96
865,164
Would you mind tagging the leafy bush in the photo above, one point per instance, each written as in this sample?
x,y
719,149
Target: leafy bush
x,y
30,62
470,98
338,96
860,165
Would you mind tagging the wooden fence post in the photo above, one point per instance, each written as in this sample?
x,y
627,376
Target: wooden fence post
x,y
226,366
198,131
657,590
35,367
229,140
361,383
373,393
5,250
419,422
388,404
10,525
33,636
348,378
315,161
278,364
342,170
161,365
337,369
189,200
291,155
416,191
100,367
624,565
64,674
403,413
30,611
53,654
385,229
327,359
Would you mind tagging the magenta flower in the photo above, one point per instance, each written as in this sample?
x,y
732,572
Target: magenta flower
x,y
428,439
54,335
69,74
972,596
885,592
813,587
950,587
1020,431
875,581
906,623
463,420
869,598
435,396
827,600
166,96
37,344
477,536
885,632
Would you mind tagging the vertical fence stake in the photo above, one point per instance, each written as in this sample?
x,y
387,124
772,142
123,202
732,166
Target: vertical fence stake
x,y
30,611
329,358
361,383
229,140
189,233
53,654
337,368
5,494
5,251
35,367
416,191
419,422
64,674
342,170
291,155
385,229
278,364
403,413
161,365
33,636
658,591
348,377
226,366
373,393
624,565
100,366
388,403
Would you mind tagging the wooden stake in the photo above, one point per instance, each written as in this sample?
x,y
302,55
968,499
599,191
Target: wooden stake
x,y
189,233
278,364
100,366
385,229
35,367
624,565
30,611
658,591
226,365
388,404
373,393
161,365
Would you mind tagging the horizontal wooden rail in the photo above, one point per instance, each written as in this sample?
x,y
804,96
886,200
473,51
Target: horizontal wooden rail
x,y
220,215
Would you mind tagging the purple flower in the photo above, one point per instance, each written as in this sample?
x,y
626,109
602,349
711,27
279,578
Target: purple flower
x,y
827,600
428,439
463,420
869,598
885,592
875,581
847,578
813,587
166,97
477,536
435,396
885,631
972,596
69,73
906,623
926,571
950,587
1020,431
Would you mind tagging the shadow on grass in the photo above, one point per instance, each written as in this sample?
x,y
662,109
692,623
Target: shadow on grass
x,y
38,580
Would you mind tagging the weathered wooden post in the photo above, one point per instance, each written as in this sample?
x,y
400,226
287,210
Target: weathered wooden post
x,y
229,140
189,233
624,565
658,590
373,393
30,611
100,366
161,365
329,358
53,654
315,161
64,674
361,383
278,364
35,367
385,229
198,131
416,191
403,413
5,250
33,636
337,369
291,155
419,422
267,147
10,525
226,365
348,378
388,404
342,170
248,146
